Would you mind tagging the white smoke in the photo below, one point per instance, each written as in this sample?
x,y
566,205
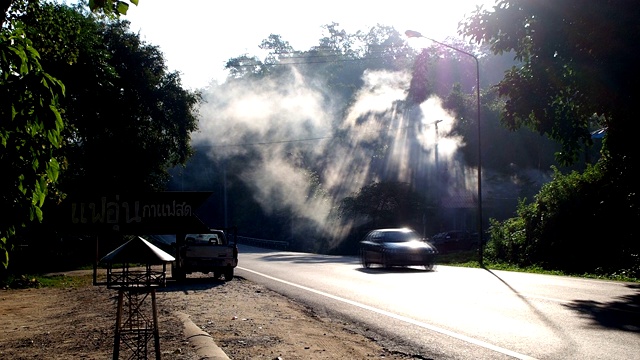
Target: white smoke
x,y
293,126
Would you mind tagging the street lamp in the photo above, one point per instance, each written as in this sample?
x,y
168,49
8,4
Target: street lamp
x,y
436,124
415,34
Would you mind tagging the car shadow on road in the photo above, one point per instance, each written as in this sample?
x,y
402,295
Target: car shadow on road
x,y
395,269
622,313
310,258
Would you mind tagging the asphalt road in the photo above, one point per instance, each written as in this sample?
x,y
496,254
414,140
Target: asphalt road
x,y
461,313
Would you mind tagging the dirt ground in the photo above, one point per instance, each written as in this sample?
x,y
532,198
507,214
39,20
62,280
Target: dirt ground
x,y
245,319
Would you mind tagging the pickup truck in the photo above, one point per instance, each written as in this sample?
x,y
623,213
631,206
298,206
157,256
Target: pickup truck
x,y
214,252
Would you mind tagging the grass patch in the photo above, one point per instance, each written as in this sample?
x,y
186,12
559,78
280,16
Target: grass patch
x,y
460,258
470,259
65,281
40,281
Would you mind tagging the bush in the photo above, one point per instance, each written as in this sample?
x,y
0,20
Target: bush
x,y
508,242
578,223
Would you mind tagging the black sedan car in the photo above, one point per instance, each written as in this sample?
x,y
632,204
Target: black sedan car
x,y
396,247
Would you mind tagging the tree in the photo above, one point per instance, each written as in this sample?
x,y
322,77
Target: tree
x,y
577,72
337,62
576,61
30,121
385,204
30,129
129,119
111,7
383,47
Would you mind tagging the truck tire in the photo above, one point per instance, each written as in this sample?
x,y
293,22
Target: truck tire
x,y
177,274
228,274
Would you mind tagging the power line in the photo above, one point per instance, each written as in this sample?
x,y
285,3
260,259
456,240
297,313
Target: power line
x,y
274,142
294,140
282,63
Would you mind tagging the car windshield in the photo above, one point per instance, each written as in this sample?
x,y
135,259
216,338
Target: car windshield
x,y
400,236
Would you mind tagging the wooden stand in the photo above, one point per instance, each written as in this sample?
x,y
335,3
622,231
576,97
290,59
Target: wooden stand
x,y
136,324
139,324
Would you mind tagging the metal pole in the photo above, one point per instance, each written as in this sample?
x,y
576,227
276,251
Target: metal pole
x,y
480,234
411,33
224,175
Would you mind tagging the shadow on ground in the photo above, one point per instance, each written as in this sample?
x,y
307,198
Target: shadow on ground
x,y
621,314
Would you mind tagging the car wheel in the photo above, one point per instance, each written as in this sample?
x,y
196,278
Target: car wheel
x,y
228,274
363,259
385,261
429,266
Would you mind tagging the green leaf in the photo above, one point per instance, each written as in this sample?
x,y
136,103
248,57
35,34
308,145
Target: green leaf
x,y
53,170
39,213
123,7
21,187
45,83
5,258
53,137
59,122
40,192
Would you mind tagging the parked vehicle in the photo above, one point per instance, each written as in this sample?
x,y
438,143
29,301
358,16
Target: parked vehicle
x,y
454,240
396,247
214,252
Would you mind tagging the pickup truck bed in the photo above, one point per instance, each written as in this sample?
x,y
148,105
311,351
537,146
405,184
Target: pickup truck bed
x,y
205,253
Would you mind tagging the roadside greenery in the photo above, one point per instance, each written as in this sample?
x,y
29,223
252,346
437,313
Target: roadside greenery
x,y
470,259
568,227
576,75
31,121
87,107
25,281
30,133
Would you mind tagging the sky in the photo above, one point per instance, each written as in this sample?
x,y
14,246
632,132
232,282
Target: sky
x,y
197,37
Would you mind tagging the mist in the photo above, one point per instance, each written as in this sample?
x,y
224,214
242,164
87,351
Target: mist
x,y
291,131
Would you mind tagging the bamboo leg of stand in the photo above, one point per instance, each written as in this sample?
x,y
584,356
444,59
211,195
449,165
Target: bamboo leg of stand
x,y
156,332
116,337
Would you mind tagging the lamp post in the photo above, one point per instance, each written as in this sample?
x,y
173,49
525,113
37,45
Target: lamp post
x,y
415,34
436,124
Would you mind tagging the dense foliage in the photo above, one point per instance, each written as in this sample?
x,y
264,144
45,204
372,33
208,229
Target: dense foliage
x,y
30,129
578,72
128,118
596,241
123,122
384,204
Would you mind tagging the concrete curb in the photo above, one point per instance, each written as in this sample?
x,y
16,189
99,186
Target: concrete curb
x,y
205,347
